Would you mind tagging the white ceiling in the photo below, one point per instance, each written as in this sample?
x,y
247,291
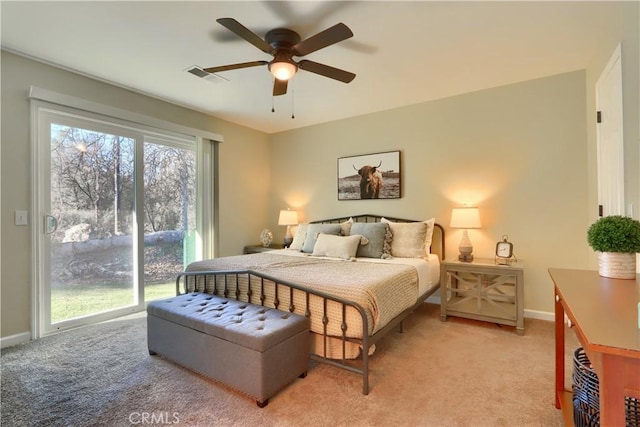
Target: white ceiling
x,y
402,52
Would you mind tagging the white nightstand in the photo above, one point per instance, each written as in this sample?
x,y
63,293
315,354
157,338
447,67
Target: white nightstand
x,y
483,290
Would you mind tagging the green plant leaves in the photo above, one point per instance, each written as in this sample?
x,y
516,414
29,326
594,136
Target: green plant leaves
x,y
615,233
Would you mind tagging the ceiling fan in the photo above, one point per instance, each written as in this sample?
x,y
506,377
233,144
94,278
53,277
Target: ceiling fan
x,y
284,44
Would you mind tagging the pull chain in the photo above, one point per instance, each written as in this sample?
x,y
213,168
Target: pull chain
x,y
273,106
293,92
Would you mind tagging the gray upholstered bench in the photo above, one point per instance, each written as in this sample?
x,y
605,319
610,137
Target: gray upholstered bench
x,y
255,350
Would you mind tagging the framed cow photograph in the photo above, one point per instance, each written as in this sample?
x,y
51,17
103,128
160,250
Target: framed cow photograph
x,y
369,176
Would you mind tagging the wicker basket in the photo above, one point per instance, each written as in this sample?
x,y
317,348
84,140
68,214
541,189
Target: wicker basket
x,y
586,395
632,411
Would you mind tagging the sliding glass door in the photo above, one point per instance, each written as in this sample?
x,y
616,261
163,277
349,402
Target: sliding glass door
x,y
118,211
90,221
169,214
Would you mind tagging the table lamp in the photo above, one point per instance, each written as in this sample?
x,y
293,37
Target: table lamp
x,y
465,218
288,218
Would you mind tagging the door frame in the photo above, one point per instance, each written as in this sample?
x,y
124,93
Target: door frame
x,y
41,168
610,158
207,177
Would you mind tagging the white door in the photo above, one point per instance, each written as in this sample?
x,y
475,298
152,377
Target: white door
x,y
609,134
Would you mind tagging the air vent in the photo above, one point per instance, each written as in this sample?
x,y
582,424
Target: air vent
x,y
199,72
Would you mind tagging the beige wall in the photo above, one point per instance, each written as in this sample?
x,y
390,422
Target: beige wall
x,y
517,152
243,180
524,153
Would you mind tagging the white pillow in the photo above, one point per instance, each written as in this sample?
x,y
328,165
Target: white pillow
x,y
301,234
429,237
298,238
313,230
344,247
404,243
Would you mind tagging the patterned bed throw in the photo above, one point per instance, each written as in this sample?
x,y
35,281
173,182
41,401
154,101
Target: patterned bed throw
x,y
383,290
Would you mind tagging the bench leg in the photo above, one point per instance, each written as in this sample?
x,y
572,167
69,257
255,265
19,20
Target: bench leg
x,y
262,404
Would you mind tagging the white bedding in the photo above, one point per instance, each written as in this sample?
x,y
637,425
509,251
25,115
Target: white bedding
x,y
428,270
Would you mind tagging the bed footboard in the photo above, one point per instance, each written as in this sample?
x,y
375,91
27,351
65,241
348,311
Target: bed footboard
x,y
261,289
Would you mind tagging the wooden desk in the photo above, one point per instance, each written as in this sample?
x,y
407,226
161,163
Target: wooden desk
x,y
604,313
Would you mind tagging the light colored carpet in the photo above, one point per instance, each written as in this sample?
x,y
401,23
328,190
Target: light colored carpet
x,y
454,373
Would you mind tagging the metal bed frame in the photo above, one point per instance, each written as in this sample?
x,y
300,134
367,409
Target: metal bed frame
x,y
225,283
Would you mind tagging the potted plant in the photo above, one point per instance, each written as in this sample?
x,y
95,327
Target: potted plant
x,y
616,238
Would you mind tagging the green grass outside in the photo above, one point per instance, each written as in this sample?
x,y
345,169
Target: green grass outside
x,y
70,302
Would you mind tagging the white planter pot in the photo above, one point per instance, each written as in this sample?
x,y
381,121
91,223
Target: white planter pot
x,y
616,265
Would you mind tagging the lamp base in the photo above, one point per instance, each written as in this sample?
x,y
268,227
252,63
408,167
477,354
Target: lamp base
x,y
465,257
288,237
465,249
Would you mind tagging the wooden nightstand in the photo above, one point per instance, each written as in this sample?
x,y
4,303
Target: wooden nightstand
x,y
483,290
254,249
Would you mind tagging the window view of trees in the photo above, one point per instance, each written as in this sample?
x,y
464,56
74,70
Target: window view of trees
x,y
93,200
169,211
92,183
169,182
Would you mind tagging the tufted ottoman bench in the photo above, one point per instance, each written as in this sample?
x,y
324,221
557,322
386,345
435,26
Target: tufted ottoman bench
x,y
253,349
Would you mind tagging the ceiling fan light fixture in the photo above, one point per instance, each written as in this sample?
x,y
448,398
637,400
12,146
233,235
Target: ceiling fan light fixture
x,y
283,70
283,45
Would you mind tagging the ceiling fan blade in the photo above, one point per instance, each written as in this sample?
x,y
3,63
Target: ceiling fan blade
x,y
280,87
242,31
325,38
234,66
327,71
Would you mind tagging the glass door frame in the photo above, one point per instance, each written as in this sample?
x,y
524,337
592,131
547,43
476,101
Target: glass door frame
x,y
206,198
43,325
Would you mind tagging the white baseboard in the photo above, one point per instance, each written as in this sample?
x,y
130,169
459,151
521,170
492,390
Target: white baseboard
x,y
530,314
12,340
540,315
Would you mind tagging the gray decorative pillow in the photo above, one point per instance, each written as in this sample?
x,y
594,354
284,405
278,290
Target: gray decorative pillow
x,y
376,233
313,230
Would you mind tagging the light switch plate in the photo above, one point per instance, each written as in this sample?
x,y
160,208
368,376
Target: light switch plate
x,y
22,218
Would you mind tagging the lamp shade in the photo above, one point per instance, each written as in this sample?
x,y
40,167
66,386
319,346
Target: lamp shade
x,y
466,217
288,217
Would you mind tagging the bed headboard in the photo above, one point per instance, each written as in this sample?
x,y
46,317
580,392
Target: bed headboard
x,y
437,242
